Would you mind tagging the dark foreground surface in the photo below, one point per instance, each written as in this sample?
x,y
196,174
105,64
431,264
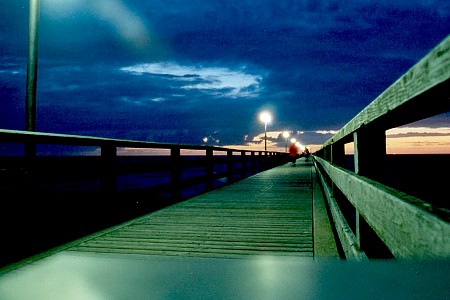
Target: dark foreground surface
x,y
87,276
56,200
63,201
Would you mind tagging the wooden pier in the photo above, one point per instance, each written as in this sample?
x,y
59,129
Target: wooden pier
x,y
264,237
270,213
260,237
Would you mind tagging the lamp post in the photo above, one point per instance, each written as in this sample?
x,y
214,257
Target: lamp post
x,y
30,105
32,65
265,117
285,135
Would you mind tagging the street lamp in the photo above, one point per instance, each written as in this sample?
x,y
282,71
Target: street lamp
x,y
30,105
285,135
32,65
265,117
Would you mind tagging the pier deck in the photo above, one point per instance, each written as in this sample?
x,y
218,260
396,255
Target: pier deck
x,y
256,239
270,213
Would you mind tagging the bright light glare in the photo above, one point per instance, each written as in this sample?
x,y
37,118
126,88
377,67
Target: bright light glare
x,y
285,134
265,117
293,140
300,146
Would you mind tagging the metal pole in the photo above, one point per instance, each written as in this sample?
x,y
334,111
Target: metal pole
x,y
265,136
32,65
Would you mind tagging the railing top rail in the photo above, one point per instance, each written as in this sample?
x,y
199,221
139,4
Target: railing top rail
x,y
19,136
403,102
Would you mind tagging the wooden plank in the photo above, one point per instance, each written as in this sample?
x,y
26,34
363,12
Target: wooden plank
x,y
324,242
347,238
269,213
204,253
408,226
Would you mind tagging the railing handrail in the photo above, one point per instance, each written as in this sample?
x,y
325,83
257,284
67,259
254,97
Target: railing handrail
x,y
401,103
397,209
407,226
41,188
19,136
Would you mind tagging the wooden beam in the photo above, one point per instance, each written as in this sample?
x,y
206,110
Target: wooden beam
x,y
410,227
347,238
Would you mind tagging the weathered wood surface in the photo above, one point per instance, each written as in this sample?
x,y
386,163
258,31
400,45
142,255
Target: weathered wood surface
x,y
348,239
269,213
410,227
325,245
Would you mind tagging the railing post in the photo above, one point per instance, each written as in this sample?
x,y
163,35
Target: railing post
x,y
243,164
260,161
253,162
370,161
230,166
108,176
175,173
266,160
209,168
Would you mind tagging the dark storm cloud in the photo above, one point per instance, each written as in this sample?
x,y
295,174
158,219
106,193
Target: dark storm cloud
x,y
179,71
141,98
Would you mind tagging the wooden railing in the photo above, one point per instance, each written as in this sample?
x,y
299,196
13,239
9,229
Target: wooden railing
x,y
47,200
109,165
365,210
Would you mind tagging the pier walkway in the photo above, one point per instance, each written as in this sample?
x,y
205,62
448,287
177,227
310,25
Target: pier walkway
x,y
278,212
270,213
267,236
264,237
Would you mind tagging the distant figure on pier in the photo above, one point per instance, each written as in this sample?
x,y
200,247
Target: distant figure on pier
x,y
306,153
293,153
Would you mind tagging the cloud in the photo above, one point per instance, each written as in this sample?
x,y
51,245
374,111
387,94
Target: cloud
x,y
140,100
325,132
418,145
11,72
216,81
11,66
417,131
418,140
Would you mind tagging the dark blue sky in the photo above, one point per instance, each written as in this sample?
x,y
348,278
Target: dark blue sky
x,y
179,71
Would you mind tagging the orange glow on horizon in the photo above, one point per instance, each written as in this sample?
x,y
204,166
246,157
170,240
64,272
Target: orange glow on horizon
x,y
402,140
410,140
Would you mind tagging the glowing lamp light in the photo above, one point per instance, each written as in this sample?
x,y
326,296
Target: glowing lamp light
x,y
266,118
